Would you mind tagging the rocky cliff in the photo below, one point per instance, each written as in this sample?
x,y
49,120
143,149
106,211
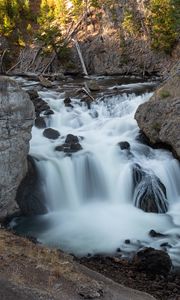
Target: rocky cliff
x,y
16,120
159,118
117,40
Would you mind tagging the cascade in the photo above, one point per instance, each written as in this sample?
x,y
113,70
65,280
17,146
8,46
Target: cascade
x,y
94,195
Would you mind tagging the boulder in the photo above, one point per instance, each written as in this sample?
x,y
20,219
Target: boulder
x,y
71,139
159,118
149,192
93,86
16,120
152,261
71,145
51,133
40,122
39,104
30,197
67,102
124,145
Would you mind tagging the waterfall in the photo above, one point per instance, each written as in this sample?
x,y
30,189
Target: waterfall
x,y
99,196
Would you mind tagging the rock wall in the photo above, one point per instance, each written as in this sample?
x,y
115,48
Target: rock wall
x,y
16,120
159,118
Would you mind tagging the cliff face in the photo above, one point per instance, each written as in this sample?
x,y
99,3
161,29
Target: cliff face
x,y
159,118
16,120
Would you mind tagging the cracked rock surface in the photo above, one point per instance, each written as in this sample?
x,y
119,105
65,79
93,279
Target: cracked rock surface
x,y
16,120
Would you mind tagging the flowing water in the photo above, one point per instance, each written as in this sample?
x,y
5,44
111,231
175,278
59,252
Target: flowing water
x,y
90,195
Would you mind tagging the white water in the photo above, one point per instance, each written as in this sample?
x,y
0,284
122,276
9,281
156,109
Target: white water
x,y
89,195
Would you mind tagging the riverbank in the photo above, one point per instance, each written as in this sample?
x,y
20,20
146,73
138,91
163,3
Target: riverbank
x,y
123,271
31,272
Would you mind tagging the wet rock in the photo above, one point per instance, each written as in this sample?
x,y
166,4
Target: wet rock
x,y
59,76
69,148
33,94
155,234
165,245
29,196
40,123
124,145
152,261
51,133
138,174
45,82
149,192
71,139
39,104
71,144
94,114
142,138
127,241
87,101
48,112
67,102
118,250
93,86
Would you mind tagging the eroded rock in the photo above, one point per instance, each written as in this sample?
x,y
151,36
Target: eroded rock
x,y
16,120
30,197
159,118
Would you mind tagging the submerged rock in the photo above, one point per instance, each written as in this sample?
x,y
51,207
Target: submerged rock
x,y
51,133
155,234
149,192
29,196
16,120
124,145
152,261
40,122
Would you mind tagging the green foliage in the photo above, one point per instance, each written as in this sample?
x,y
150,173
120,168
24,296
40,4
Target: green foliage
x,y
163,21
52,40
131,24
11,14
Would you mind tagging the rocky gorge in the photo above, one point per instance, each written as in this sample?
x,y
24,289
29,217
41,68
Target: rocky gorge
x,y
169,91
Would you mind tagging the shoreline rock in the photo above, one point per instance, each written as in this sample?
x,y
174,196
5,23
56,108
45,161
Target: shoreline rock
x,y
159,118
16,120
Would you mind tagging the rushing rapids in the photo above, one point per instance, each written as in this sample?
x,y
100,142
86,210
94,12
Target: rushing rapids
x,y
104,189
